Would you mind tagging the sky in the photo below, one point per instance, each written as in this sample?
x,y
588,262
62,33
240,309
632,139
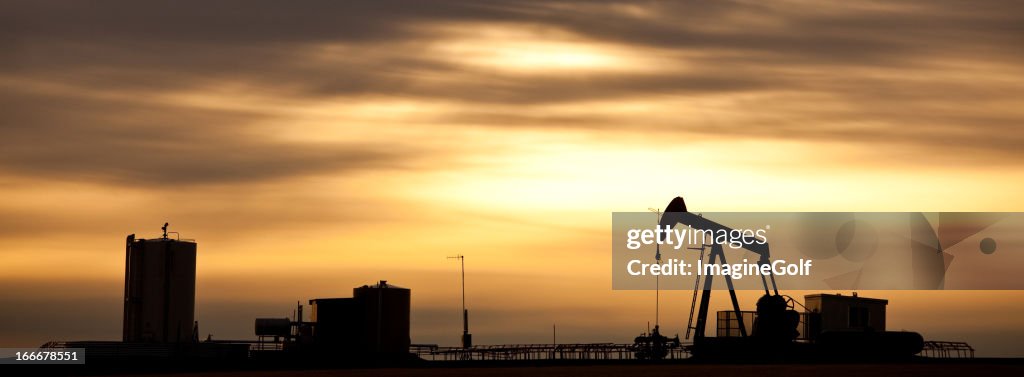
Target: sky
x,y
317,146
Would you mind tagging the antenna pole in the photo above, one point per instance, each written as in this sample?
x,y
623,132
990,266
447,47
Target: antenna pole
x,y
467,339
657,278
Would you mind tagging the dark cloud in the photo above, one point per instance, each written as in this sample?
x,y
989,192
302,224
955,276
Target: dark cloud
x,y
236,22
899,67
266,43
140,144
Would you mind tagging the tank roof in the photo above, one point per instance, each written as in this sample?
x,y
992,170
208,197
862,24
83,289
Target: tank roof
x,y
159,239
844,297
382,284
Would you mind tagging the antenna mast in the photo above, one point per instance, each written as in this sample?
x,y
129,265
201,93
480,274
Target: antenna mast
x,y
657,278
467,338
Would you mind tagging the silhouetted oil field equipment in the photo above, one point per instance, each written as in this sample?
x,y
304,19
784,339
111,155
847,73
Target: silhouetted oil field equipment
x,y
159,309
159,290
831,327
374,324
527,352
947,350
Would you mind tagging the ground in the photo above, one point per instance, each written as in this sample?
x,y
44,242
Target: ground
x,y
995,368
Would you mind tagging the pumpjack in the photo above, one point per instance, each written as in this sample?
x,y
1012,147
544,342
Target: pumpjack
x,y
775,324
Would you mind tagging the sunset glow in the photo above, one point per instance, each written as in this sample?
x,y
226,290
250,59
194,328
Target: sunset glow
x,y
327,150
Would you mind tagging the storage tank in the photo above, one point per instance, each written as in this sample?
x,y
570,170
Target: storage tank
x,y
159,290
281,327
387,317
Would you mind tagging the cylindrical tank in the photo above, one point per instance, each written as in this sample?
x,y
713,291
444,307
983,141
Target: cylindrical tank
x,y
871,344
387,317
273,327
160,290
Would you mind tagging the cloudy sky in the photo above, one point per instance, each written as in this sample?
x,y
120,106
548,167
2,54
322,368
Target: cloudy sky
x,y
316,146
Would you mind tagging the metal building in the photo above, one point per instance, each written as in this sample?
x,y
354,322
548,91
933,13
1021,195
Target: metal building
x,y
843,313
338,323
159,290
374,320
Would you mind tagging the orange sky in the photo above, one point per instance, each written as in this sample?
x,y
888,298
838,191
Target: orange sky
x,y
311,149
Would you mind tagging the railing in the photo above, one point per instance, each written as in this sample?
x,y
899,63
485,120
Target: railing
x,y
578,351
947,350
267,343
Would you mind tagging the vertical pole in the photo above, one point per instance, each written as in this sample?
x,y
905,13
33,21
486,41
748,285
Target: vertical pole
x,y
657,278
297,329
462,261
465,313
657,291
128,284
